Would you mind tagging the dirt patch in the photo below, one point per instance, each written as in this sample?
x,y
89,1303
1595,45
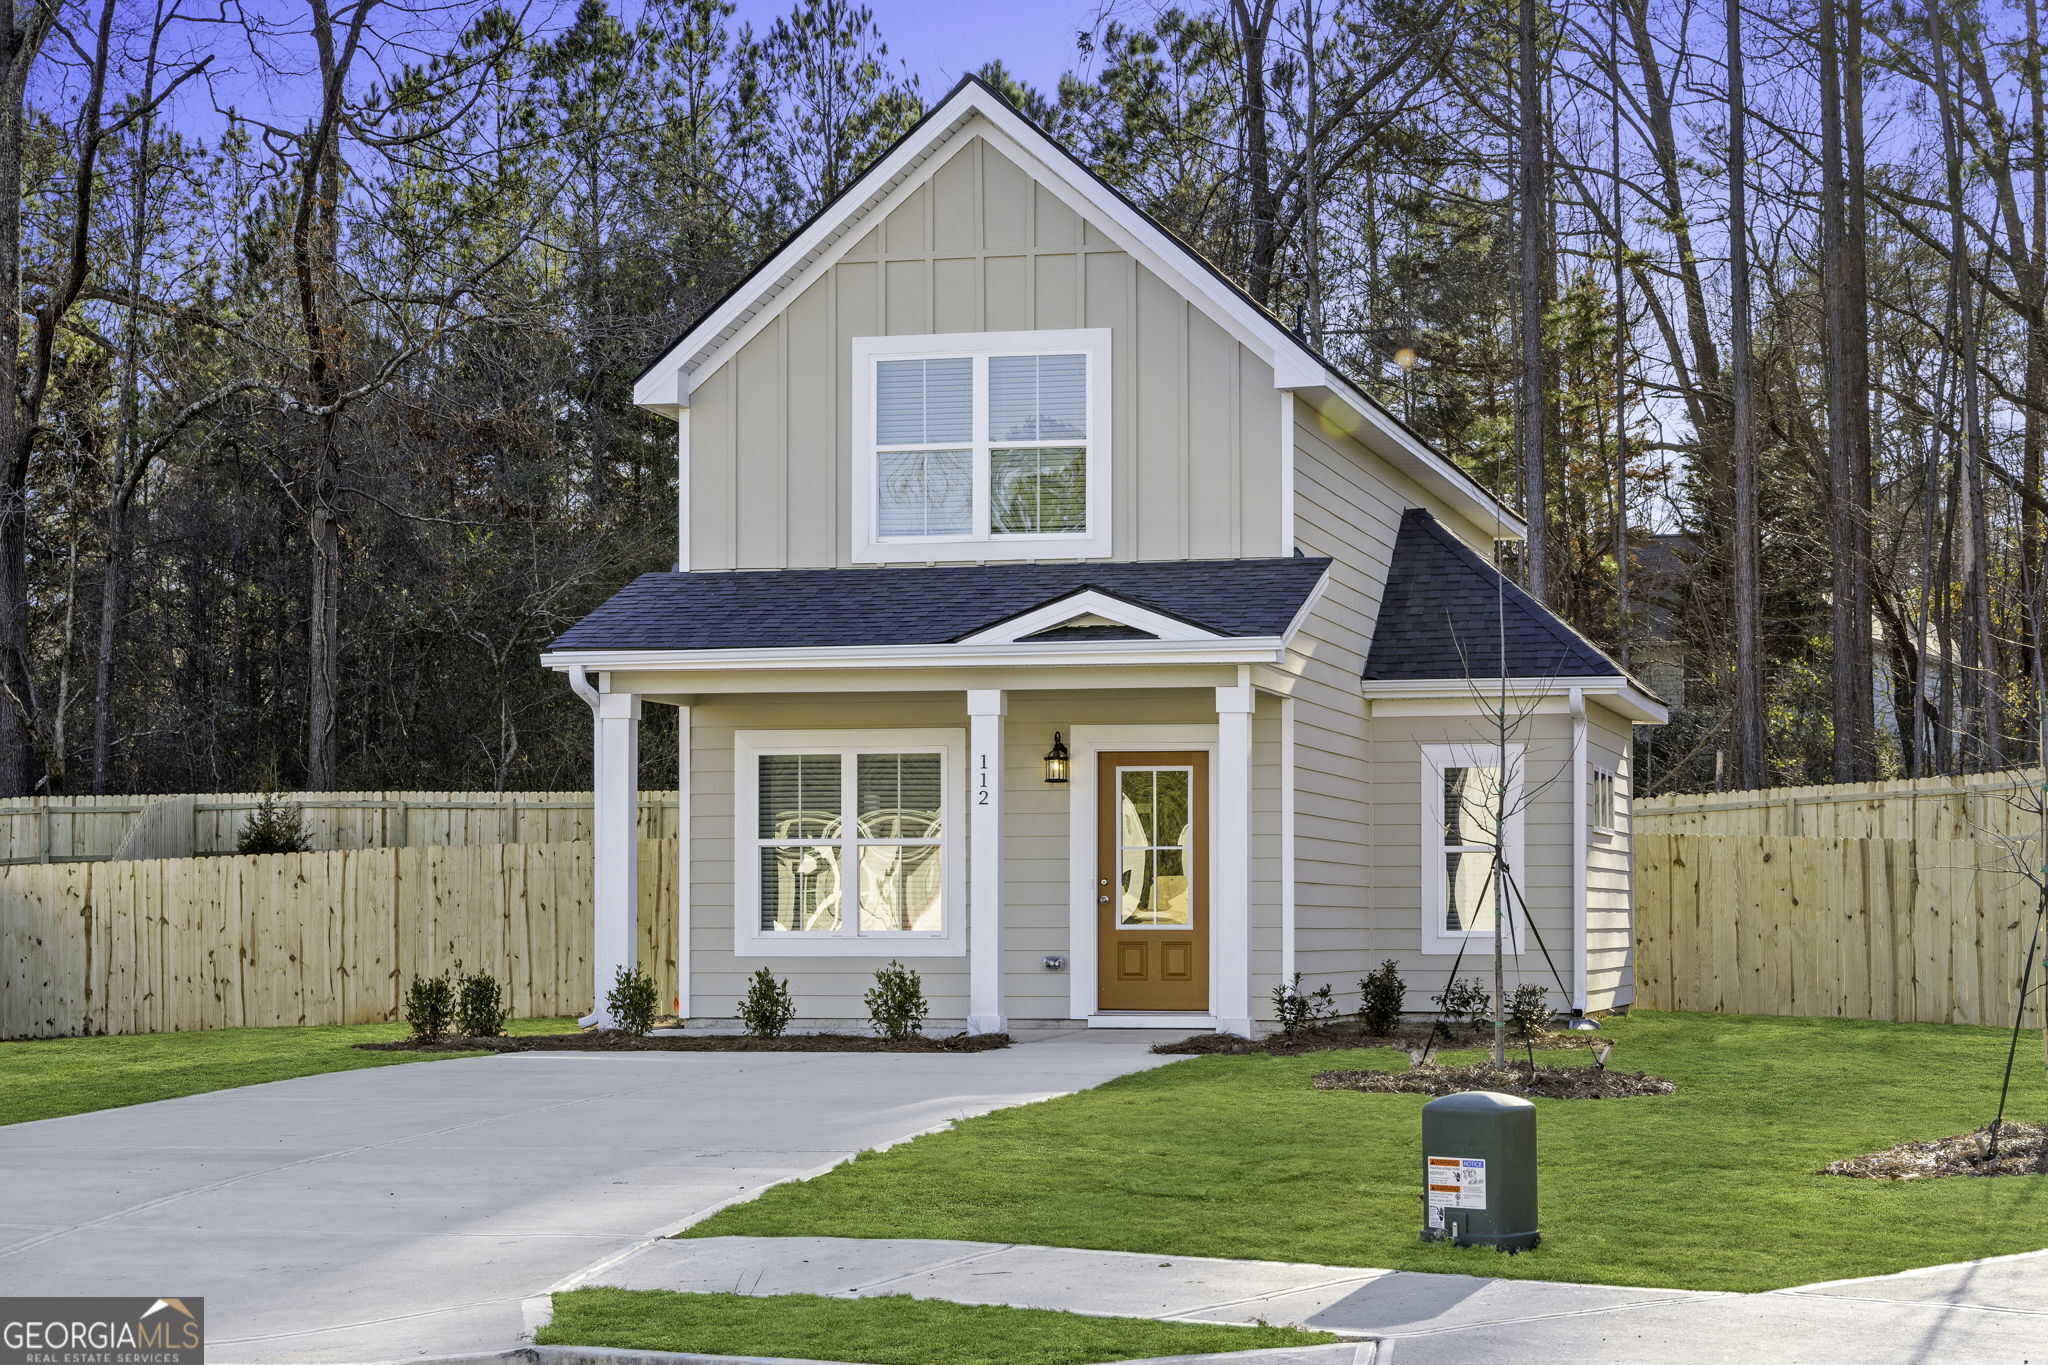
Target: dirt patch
x,y
610,1040
1410,1038
1545,1082
2022,1150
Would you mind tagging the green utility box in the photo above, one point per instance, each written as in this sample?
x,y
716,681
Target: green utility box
x,y
1479,1171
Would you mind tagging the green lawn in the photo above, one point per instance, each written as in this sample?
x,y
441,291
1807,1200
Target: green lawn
x,y
1711,1188
884,1331
50,1077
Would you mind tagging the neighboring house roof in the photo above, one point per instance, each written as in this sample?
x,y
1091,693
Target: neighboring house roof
x,y
1446,611
664,384
811,608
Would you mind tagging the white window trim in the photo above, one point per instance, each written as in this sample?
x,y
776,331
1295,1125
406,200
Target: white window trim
x,y
1611,830
868,548
1436,758
750,940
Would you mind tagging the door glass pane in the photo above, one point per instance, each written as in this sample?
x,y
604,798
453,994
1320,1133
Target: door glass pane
x,y
800,888
897,796
900,888
924,402
1155,886
924,492
1134,886
1171,903
799,797
1468,892
1039,491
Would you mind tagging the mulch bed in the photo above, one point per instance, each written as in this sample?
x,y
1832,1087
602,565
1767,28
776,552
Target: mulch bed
x,y
2022,1150
610,1040
1345,1036
1545,1082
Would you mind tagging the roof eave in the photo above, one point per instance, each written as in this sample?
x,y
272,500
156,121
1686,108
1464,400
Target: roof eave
x,y
1270,649
1618,694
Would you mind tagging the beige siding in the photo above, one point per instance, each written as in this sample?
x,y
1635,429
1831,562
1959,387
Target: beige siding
x,y
1348,507
1545,878
1035,854
1610,902
978,248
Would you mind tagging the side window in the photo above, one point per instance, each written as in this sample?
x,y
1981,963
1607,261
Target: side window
x,y
1601,809
1472,821
987,446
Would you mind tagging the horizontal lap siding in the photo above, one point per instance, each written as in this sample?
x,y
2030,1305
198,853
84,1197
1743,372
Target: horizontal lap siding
x,y
1358,778
1610,917
1343,511
979,247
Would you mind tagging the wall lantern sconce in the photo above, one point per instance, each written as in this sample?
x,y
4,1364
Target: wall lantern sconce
x,y
1056,761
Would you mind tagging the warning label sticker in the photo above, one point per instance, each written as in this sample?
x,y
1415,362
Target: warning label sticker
x,y
1454,1182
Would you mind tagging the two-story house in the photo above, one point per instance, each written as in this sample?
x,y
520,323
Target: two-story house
x,y
1050,618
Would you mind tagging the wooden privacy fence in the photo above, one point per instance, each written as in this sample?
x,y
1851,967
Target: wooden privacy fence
x,y
1917,808
39,829
1930,930
307,938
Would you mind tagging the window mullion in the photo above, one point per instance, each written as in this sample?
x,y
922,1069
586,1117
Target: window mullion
x,y
849,841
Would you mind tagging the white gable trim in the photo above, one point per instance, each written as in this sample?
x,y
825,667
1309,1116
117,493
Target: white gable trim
x,y
1089,602
974,109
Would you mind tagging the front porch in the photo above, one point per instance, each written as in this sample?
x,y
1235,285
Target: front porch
x,y
1022,902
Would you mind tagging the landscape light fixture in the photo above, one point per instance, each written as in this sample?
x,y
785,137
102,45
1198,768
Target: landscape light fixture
x,y
1056,761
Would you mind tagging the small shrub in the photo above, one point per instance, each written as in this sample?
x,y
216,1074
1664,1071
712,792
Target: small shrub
x,y
1381,996
767,1008
631,1002
1465,1001
275,826
896,1006
1297,1012
479,1005
429,1006
1529,1010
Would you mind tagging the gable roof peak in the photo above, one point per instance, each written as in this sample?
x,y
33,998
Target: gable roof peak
x,y
824,237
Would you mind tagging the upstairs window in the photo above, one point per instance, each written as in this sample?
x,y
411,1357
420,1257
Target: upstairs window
x,y
982,446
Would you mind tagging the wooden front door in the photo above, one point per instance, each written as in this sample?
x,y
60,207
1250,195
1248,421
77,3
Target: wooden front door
x,y
1152,881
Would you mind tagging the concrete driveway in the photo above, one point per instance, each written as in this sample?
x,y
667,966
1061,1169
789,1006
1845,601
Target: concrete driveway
x,y
409,1211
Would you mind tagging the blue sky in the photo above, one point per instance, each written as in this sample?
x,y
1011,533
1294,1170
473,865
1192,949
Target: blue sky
x,y
941,40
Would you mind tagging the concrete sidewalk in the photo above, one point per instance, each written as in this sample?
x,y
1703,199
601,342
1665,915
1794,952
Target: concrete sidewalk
x,y
412,1211
1988,1313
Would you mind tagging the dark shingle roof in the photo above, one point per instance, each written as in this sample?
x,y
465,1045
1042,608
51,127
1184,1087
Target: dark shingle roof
x,y
796,608
1442,617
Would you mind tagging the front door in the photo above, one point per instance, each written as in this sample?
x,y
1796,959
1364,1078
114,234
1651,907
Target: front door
x,y
1152,881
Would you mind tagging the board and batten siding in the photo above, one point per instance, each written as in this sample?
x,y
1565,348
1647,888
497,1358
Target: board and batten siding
x,y
979,247
1036,886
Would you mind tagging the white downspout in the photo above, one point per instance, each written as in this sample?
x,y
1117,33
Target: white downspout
x,y
579,683
1579,849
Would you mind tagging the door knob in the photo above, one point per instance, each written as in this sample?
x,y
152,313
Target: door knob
x,y
1103,900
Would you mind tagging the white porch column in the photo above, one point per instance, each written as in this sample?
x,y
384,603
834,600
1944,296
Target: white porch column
x,y
985,710
682,862
616,857
1231,969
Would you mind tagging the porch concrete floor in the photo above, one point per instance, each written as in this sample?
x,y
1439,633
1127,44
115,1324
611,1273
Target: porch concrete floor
x,y
410,1211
